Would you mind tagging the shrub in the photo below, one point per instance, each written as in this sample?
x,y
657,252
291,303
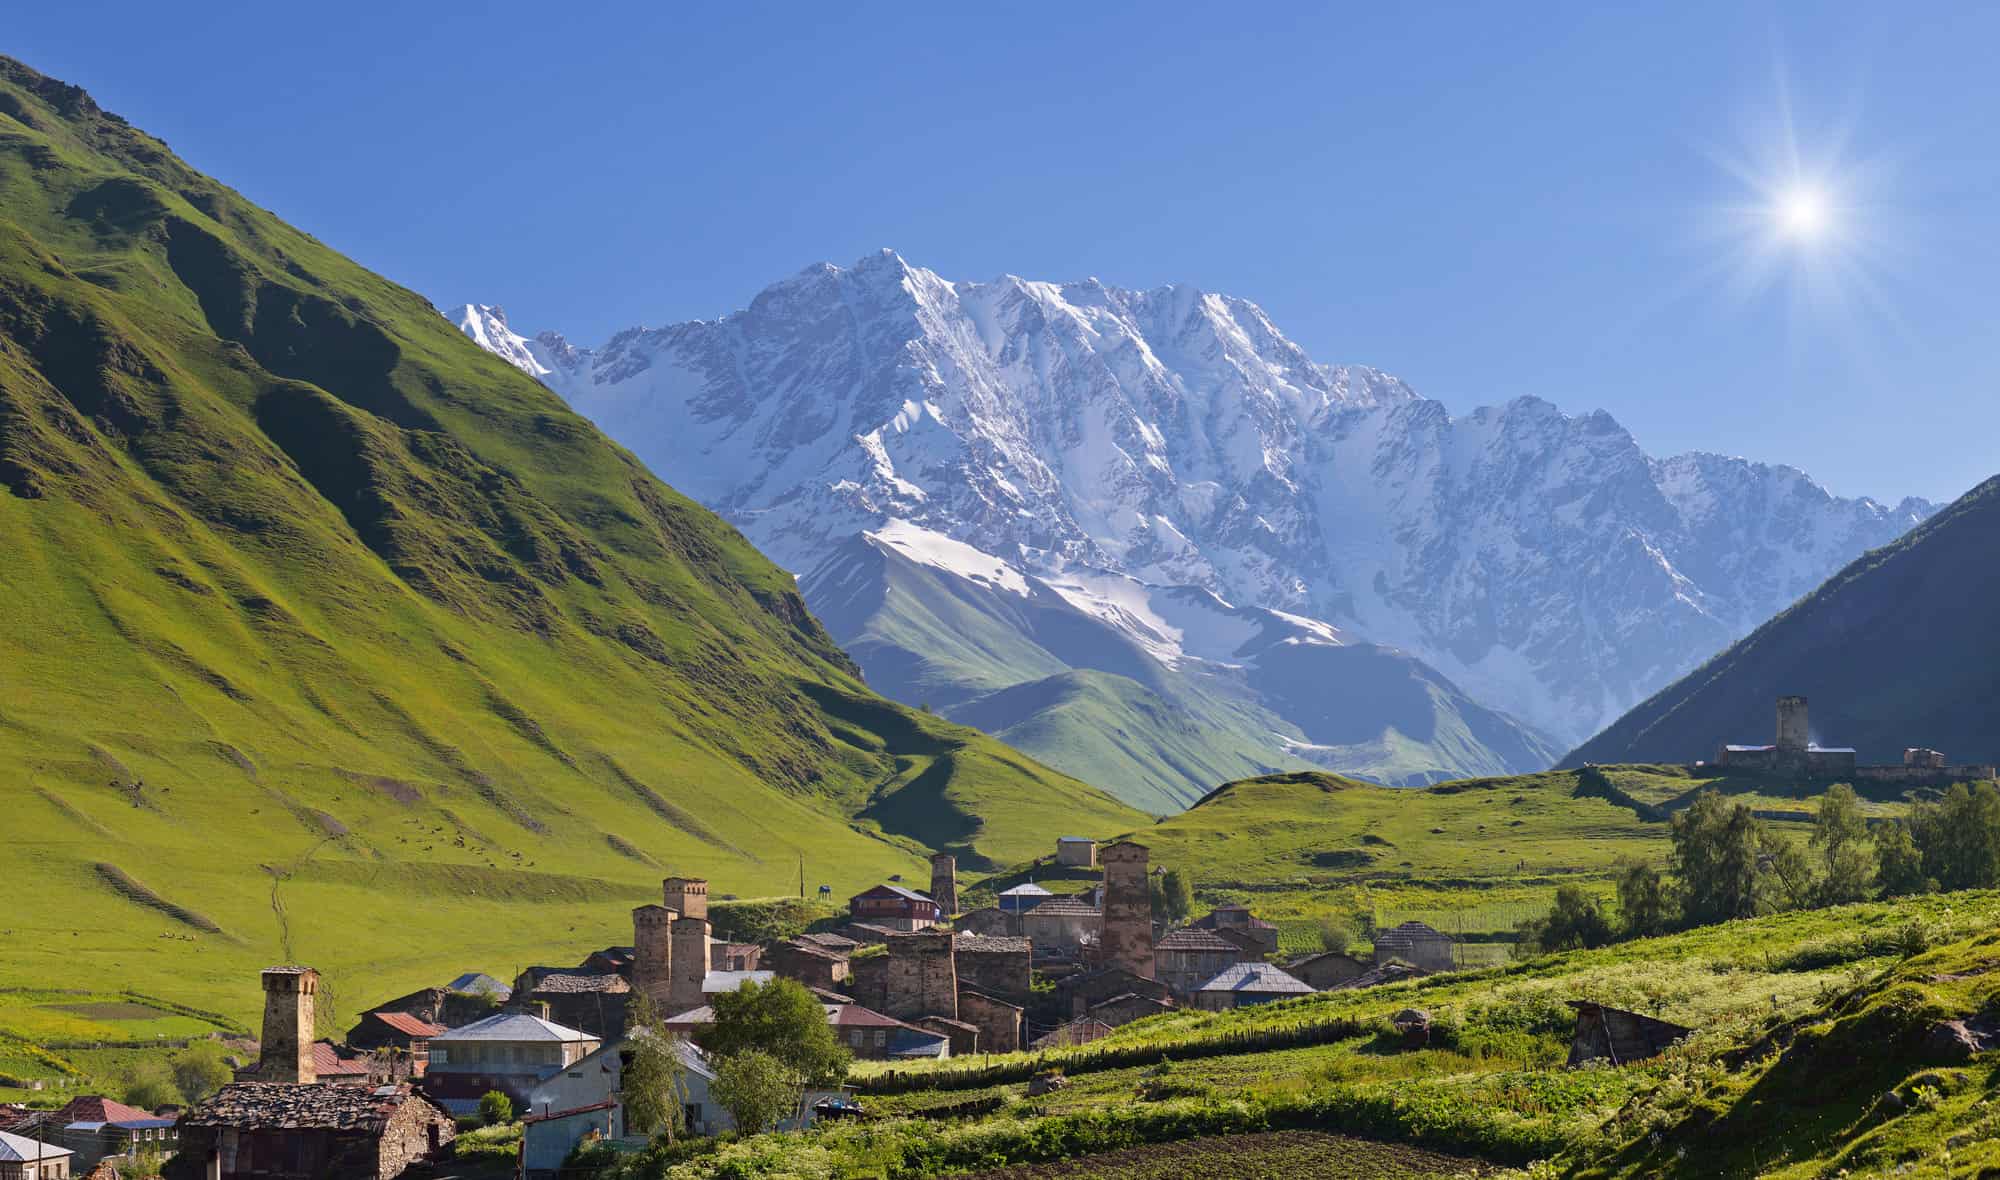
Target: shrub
x,y
495,1108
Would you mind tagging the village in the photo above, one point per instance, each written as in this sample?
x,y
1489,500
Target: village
x,y
905,976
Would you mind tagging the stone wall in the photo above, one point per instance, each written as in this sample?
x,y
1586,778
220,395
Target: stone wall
x,y
686,896
922,975
868,982
412,1133
1000,967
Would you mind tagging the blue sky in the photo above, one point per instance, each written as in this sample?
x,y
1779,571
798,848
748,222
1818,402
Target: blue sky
x,y
1487,200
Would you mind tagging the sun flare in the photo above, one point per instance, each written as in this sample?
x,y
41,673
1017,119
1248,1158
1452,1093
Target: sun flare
x,y
1802,214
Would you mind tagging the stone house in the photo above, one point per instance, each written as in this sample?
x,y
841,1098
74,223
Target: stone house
x,y
1253,948
594,1003
868,980
510,1052
399,1031
1076,1032
963,1036
1186,959
838,944
22,1158
1061,926
735,956
894,907
810,964
276,1131
1000,1023
1077,852
1262,935
1077,994
1245,984
1418,945
1328,969
989,920
1122,1010
1000,967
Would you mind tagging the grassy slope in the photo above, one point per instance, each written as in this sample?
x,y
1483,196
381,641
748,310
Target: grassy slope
x,y
1111,729
335,639
1803,1021
1896,650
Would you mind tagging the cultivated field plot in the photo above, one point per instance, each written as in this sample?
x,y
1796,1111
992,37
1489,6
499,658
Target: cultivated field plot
x,y
1286,1154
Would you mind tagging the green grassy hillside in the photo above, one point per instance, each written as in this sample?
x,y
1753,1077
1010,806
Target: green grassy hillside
x,y
332,638
1896,650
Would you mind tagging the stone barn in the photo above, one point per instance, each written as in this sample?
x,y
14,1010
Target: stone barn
x,y
1077,994
278,1131
1618,1036
1328,969
1186,959
1418,945
1000,1023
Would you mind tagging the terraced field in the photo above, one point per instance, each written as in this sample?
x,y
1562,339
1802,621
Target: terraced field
x,y
1282,1155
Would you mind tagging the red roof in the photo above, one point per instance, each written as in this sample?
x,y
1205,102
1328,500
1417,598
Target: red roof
x,y
407,1024
329,1063
93,1108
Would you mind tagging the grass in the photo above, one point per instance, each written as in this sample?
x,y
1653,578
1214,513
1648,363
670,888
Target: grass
x,y
1803,1022
343,629
1272,1156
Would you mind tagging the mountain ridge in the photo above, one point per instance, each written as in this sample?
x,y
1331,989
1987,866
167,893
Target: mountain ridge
x,y
1542,561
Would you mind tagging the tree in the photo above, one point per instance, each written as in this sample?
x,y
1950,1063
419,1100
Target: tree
x,y
150,1085
1901,862
1959,836
495,1108
1173,896
783,1019
653,1078
1335,934
755,1088
1574,922
1788,883
199,1070
1846,858
1715,857
1642,899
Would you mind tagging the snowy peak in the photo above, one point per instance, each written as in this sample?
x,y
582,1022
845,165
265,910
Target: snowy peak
x,y
1176,437
486,323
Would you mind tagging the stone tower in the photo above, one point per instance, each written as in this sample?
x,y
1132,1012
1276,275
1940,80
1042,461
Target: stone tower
x,y
1128,908
923,975
1793,733
285,1053
690,964
686,896
653,955
944,883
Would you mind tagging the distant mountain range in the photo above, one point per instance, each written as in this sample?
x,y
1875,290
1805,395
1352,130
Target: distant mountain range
x,y
1899,649
1516,576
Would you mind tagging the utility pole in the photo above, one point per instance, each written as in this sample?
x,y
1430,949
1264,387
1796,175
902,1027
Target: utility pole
x,y
802,876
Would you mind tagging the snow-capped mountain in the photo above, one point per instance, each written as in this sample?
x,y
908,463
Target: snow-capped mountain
x,y
1540,560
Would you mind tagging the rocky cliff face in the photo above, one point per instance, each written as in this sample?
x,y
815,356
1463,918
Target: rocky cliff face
x,y
1540,560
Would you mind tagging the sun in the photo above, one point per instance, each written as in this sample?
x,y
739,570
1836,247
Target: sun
x,y
1802,214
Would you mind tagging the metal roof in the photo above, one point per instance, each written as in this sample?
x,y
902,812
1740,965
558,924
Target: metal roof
x,y
729,981
478,981
1074,840
513,1026
899,891
1028,890
17,1148
1255,977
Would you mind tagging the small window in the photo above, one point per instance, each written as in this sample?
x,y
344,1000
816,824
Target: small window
x,y
881,1037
